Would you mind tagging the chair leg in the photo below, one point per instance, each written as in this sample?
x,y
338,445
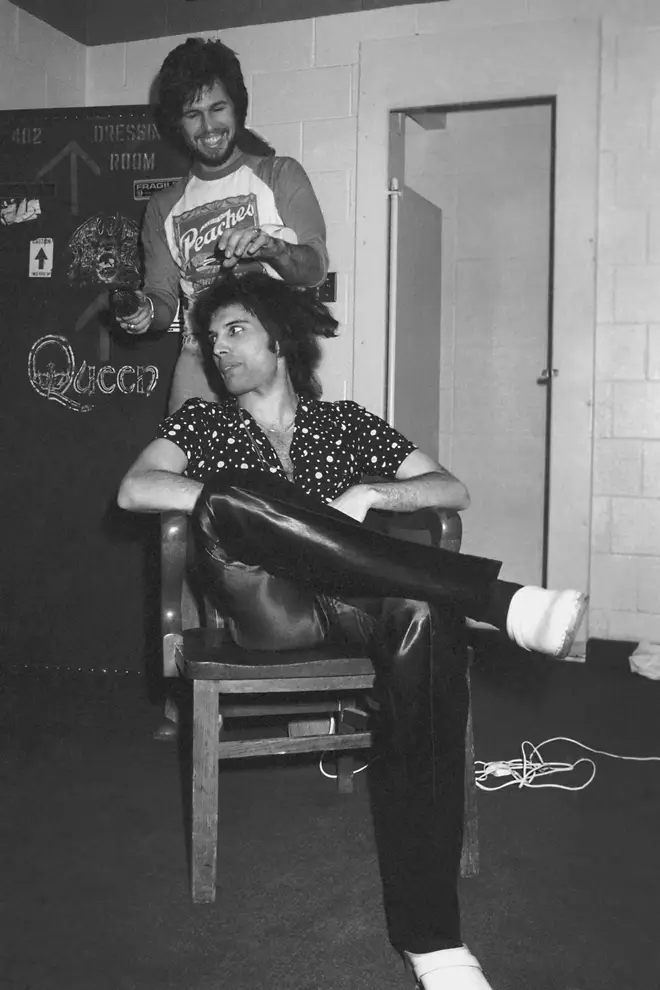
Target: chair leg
x,y
345,762
470,851
204,845
345,766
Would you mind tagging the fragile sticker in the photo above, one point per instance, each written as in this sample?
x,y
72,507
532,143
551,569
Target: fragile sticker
x,y
145,188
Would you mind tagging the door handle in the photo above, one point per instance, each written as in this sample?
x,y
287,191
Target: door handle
x,y
546,375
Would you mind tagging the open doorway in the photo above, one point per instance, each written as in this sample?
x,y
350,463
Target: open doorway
x,y
470,341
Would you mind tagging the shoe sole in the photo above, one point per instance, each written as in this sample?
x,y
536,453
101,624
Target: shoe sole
x,y
572,627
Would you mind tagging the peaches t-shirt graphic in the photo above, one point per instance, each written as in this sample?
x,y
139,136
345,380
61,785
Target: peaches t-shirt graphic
x,y
182,224
197,232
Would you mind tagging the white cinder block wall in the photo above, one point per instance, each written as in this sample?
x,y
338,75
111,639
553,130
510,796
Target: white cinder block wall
x,y
625,567
39,66
302,77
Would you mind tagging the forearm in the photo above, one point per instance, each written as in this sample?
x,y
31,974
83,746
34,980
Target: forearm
x,y
158,491
161,274
436,489
164,312
297,264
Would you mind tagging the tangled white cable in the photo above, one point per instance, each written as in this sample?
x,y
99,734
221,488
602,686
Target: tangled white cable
x,y
530,770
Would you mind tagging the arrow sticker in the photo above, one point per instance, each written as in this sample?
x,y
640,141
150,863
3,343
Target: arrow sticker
x,y
75,152
41,257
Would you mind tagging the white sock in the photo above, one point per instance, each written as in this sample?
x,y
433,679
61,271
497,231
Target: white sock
x,y
544,620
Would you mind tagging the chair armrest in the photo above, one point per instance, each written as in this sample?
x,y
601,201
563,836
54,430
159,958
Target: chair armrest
x,y
443,526
173,548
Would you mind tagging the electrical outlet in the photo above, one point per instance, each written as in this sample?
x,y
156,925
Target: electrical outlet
x,y
328,289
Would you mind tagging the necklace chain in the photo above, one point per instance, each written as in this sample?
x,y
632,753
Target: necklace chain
x,y
257,447
276,429
269,429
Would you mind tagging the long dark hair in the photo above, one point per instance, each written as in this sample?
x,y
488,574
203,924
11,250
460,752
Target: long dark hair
x,y
189,68
293,318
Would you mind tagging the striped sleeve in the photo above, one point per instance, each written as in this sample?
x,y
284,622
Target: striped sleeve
x,y
297,204
161,274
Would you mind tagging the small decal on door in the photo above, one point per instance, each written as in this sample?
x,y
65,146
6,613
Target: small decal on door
x,y
41,257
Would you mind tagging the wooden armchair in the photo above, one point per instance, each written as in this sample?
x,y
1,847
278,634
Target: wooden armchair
x,y
229,682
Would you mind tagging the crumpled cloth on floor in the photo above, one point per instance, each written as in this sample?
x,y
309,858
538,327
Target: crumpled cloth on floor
x,y
645,660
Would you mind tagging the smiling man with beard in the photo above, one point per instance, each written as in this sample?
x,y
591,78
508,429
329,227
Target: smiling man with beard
x,y
235,210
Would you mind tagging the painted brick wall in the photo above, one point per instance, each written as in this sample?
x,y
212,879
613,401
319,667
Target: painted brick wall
x,y
625,583
302,77
39,66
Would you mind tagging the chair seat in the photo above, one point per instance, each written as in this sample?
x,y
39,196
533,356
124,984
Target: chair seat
x,y
198,657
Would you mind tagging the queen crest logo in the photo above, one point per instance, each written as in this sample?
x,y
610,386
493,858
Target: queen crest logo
x,y
197,233
53,375
105,252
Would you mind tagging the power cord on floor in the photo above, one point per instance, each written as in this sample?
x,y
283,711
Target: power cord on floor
x,y
333,776
531,769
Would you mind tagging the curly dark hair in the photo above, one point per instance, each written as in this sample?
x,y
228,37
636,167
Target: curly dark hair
x,y
293,318
189,68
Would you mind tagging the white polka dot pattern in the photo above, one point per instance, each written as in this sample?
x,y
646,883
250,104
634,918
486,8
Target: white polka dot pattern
x,y
211,437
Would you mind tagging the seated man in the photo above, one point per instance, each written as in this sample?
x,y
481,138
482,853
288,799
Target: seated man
x,y
273,477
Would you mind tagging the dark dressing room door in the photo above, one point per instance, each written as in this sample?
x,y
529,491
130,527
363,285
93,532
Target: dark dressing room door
x,y
80,399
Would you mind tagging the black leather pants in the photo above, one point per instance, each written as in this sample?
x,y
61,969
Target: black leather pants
x,y
417,782
406,604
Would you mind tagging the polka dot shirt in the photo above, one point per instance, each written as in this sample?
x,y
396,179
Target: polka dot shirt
x,y
334,444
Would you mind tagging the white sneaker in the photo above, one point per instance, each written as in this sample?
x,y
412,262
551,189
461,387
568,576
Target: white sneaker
x,y
546,621
448,969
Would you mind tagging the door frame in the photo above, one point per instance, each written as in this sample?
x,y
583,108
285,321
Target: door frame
x,y
533,101
561,60
407,204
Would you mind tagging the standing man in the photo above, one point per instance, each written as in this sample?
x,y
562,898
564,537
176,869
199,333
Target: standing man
x,y
234,210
